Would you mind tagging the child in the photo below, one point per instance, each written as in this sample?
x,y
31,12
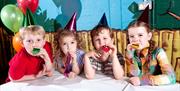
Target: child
x,y
68,56
147,64
35,59
104,58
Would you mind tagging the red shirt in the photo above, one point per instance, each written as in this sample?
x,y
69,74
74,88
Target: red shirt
x,y
25,64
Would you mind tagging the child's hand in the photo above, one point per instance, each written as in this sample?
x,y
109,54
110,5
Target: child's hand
x,y
72,75
49,73
129,51
113,51
93,54
43,54
135,81
73,55
42,72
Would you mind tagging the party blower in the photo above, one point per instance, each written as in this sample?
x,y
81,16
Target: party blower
x,y
67,65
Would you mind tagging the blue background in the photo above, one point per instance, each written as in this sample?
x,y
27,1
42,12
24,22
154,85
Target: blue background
x,y
89,12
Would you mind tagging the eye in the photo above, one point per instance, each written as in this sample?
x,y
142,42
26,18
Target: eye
x,y
96,40
38,40
131,36
64,43
140,35
29,41
105,38
72,42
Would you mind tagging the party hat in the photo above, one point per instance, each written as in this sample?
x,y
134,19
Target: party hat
x,y
103,20
71,25
28,19
145,15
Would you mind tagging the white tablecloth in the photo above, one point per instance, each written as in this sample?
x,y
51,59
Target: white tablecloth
x,y
101,83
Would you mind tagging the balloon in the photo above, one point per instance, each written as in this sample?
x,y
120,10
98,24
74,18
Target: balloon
x,y
17,45
12,17
25,4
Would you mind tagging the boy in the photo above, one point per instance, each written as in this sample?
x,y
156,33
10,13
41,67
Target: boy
x,y
35,59
104,58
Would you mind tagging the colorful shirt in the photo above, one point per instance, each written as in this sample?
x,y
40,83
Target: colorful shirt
x,y
153,69
80,55
25,64
105,67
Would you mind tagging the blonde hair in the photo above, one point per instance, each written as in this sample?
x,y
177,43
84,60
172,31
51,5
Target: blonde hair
x,y
32,29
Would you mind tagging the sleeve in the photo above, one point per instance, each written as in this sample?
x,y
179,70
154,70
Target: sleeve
x,y
80,55
58,62
132,66
120,58
168,75
17,67
48,48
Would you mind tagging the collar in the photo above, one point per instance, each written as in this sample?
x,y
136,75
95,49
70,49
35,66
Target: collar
x,y
144,51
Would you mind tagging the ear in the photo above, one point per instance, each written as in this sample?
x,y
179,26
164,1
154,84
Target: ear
x,y
149,36
112,40
44,41
21,41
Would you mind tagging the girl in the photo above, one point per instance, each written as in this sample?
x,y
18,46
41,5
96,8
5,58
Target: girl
x,y
147,64
68,56
104,58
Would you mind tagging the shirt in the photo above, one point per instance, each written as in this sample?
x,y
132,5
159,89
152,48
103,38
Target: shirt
x,y
105,67
25,64
80,55
152,69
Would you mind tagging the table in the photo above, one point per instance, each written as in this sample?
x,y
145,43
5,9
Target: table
x,y
58,82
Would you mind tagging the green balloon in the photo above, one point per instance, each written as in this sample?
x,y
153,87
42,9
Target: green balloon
x,y
12,17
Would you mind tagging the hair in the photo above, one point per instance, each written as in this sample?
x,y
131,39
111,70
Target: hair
x,y
97,30
147,27
32,29
60,34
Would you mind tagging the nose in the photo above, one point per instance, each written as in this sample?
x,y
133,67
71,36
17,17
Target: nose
x,y
135,39
34,44
102,42
68,46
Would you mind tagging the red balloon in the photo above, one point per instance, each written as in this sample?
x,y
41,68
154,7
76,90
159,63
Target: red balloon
x,y
31,4
17,44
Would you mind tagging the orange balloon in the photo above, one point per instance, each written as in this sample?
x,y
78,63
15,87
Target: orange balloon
x,y
17,45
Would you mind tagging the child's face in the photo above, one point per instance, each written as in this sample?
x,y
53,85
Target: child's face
x,y
68,44
139,35
103,38
31,41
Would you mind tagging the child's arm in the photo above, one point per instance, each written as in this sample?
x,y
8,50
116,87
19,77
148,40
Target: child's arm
x,y
75,66
44,55
60,69
30,77
116,66
88,69
24,78
168,75
133,70
132,66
